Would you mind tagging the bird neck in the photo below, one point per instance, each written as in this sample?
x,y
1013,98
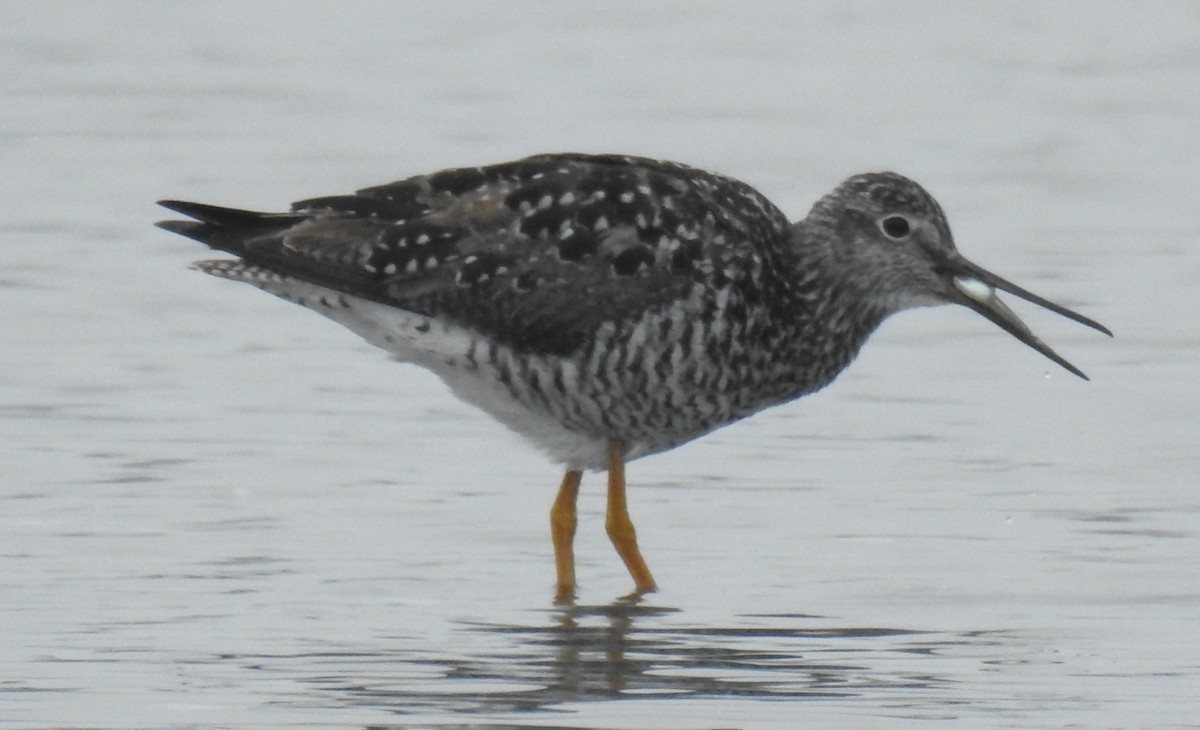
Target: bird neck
x,y
831,311
830,283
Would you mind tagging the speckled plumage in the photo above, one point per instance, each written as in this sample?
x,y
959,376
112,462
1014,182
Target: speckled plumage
x,y
610,307
579,298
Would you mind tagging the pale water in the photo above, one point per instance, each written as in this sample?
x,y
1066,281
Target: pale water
x,y
219,511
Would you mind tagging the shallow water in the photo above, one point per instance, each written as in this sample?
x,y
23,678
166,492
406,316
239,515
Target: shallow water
x,y
217,510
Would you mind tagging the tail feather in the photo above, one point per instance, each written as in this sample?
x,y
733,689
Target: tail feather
x,y
192,229
225,229
230,217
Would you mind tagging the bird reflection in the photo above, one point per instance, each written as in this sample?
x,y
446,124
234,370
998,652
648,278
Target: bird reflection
x,y
630,650
596,660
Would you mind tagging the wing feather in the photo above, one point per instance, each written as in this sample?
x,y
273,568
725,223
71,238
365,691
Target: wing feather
x,y
537,253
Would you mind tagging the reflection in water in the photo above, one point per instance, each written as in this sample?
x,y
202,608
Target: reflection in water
x,y
625,650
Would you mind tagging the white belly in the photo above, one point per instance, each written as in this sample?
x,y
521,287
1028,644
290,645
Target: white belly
x,y
460,357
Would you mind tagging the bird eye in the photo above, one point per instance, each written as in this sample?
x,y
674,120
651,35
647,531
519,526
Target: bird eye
x,y
895,226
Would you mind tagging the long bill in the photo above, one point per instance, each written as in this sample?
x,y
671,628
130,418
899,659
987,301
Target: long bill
x,y
976,287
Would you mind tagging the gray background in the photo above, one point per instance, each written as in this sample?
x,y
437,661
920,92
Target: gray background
x,y
218,510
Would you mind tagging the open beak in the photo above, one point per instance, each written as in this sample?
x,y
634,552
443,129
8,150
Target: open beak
x,y
976,287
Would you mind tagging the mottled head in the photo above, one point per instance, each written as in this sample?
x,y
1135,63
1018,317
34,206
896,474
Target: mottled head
x,y
892,242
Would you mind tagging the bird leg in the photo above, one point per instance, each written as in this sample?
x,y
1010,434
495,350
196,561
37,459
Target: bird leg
x,y
562,532
619,525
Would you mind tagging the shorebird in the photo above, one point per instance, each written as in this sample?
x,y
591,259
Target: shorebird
x,y
609,307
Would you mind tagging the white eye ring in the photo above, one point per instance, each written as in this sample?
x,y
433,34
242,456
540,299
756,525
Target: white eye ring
x,y
895,227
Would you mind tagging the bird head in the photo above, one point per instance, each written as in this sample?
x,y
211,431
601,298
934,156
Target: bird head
x,y
892,242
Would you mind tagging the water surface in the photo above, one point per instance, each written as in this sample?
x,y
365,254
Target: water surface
x,y
220,511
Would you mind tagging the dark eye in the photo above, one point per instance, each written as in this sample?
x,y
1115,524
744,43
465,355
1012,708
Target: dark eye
x,y
895,226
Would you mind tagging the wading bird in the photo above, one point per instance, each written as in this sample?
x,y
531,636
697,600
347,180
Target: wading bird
x,y
609,307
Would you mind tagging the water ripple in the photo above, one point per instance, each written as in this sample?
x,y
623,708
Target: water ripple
x,y
626,651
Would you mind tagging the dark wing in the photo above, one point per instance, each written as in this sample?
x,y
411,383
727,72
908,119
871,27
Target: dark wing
x,y
537,253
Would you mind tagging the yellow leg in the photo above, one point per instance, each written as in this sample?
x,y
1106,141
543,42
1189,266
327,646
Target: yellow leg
x,y
617,522
562,532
